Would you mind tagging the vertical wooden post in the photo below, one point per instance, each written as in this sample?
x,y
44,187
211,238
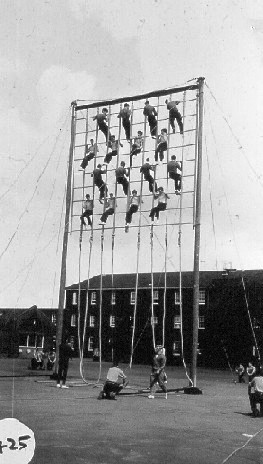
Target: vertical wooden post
x,y
61,302
197,227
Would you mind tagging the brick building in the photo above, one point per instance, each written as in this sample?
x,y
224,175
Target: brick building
x,y
230,316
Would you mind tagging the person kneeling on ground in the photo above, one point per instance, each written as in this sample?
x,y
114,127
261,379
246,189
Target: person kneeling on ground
x,y
257,396
116,380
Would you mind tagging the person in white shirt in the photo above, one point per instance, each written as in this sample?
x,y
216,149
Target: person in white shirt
x,y
162,204
256,396
135,201
109,211
116,380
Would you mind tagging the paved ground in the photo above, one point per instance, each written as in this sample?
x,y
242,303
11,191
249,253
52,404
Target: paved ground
x,y
72,426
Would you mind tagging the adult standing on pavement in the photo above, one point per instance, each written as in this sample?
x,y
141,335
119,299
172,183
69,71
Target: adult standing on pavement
x,y
65,352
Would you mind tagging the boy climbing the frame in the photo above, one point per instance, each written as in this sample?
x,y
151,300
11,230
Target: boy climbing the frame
x,y
145,170
88,211
109,210
135,201
102,119
113,144
162,145
151,114
162,197
172,171
90,153
174,114
136,146
121,177
125,114
97,177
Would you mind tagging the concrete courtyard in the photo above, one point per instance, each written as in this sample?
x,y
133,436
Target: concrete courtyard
x,y
72,426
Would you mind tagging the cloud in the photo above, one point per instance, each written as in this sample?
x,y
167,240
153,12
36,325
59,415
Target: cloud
x,y
58,87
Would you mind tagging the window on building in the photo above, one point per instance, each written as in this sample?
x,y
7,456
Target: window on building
x,y
176,348
31,340
92,321
23,340
93,298
155,297
54,318
201,324
132,299
201,296
177,322
113,298
74,298
90,343
177,296
112,321
154,320
73,321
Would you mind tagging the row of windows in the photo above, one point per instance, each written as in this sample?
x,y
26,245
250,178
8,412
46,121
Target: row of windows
x,y
93,297
154,321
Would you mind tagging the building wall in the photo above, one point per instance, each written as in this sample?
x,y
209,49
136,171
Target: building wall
x,y
117,340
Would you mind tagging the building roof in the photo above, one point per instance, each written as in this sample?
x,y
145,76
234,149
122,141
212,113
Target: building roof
x,y
128,281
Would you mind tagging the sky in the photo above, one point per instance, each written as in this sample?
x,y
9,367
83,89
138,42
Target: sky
x,y
54,52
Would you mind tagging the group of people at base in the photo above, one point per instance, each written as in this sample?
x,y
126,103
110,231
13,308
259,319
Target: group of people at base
x,y
116,379
43,359
241,371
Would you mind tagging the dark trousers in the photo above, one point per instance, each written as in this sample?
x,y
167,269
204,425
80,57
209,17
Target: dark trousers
x,y
255,398
102,188
174,114
87,215
62,373
107,212
152,184
153,125
161,147
241,378
109,156
105,130
133,209
125,184
111,389
127,127
86,160
177,180
158,378
156,210
134,152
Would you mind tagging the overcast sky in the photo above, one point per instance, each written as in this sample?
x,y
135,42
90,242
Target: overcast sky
x,y
53,52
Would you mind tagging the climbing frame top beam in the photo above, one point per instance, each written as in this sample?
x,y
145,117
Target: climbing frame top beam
x,y
155,93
